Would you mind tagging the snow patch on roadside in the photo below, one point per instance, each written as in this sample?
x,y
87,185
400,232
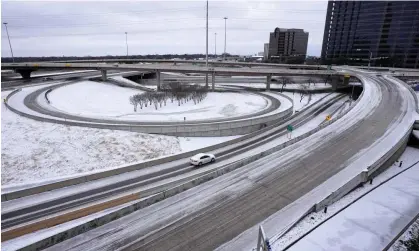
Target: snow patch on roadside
x,y
191,143
32,150
305,101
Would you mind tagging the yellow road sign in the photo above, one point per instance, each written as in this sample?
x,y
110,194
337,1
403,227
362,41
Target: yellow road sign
x,y
328,117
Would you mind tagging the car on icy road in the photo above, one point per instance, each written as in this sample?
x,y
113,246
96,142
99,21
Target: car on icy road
x,y
202,158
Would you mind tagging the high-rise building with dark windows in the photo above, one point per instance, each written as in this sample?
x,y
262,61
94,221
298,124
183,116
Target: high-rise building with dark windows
x,y
288,45
386,31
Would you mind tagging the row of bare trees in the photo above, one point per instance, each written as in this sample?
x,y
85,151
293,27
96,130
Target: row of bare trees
x,y
171,91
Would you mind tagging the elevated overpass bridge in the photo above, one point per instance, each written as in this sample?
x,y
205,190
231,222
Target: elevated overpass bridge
x,y
212,63
25,70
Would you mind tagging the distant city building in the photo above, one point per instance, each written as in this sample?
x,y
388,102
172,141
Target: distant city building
x,y
265,51
288,45
387,29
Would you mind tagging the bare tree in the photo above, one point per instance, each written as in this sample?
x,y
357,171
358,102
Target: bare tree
x,y
133,102
311,81
145,98
165,96
195,97
150,97
304,92
172,96
284,81
160,98
140,99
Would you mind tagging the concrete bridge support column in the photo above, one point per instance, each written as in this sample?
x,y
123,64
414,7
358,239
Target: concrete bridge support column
x,y
335,82
268,82
206,80
158,80
213,81
26,74
104,75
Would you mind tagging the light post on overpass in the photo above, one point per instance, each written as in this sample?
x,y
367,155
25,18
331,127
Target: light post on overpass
x,y
225,36
369,60
215,44
10,44
206,54
126,41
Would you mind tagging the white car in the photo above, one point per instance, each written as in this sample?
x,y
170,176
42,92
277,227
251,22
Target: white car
x,y
202,158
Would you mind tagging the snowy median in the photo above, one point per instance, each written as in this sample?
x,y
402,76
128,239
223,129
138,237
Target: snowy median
x,y
98,100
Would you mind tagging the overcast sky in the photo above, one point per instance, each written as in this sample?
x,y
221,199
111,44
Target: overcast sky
x,y
81,28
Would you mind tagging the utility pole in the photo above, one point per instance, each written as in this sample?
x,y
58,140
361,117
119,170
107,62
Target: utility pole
x,y
215,53
10,44
206,60
225,36
126,41
206,57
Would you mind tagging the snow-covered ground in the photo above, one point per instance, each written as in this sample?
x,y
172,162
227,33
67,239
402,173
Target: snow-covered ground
x,y
33,151
307,100
100,100
192,143
371,222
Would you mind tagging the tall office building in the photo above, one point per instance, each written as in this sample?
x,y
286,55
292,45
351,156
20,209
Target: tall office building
x,y
286,44
388,31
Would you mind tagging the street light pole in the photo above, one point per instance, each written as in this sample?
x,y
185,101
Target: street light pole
x,y
206,59
369,60
225,36
10,44
206,54
215,53
126,41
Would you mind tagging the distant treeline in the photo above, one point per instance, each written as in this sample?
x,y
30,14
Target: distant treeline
x,y
163,56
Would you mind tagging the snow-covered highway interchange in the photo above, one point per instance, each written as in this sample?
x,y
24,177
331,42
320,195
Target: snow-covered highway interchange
x,y
266,177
